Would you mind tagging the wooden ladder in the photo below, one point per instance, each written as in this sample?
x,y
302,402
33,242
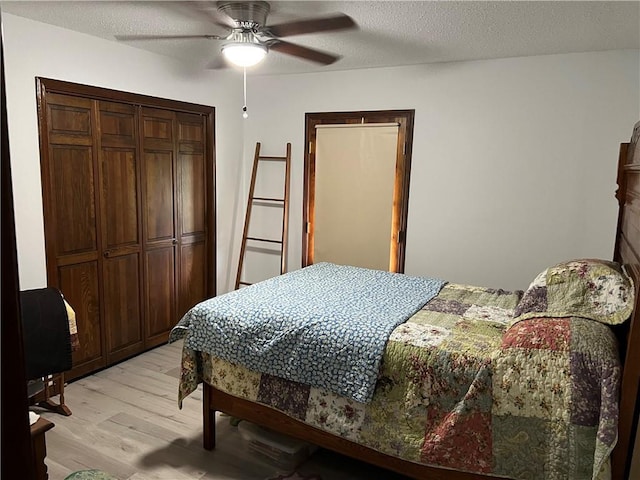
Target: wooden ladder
x,y
285,212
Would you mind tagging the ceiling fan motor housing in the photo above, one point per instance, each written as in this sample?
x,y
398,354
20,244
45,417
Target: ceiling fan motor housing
x,y
249,15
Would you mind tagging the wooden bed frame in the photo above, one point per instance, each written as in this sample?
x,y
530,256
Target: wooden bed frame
x,y
627,252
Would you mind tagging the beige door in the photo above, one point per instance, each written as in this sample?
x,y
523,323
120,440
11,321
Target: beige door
x,y
356,190
354,183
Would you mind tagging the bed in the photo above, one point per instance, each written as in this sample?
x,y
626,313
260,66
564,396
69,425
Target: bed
x,y
472,382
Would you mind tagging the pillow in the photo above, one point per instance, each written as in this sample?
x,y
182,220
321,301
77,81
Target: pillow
x,y
587,288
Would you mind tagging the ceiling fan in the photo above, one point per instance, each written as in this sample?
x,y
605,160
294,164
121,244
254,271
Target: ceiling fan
x,y
250,38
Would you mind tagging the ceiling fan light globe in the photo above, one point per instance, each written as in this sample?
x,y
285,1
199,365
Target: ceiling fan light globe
x,y
244,54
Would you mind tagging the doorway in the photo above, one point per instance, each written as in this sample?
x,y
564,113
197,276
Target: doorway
x,y
356,188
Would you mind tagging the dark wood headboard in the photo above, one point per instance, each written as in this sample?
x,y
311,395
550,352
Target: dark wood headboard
x,y
627,252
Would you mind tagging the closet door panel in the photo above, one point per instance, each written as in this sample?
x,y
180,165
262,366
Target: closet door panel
x,y
192,176
69,120
160,294
193,277
192,194
79,284
119,174
158,174
157,128
73,191
159,201
190,128
120,203
71,174
122,306
117,124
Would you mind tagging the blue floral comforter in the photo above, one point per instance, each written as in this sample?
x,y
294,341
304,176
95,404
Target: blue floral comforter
x,y
325,325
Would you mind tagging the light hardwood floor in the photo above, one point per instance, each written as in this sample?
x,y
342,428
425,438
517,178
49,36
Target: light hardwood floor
x,y
126,422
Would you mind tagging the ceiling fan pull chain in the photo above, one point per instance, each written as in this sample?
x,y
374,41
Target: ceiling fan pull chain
x,y
244,107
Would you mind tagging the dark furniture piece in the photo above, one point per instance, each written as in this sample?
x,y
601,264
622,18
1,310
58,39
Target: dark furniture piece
x,y
39,446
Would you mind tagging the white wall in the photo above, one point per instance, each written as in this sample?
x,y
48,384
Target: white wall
x,y
514,160
35,49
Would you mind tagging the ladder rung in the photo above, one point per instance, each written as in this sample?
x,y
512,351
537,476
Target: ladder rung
x,y
266,199
245,283
272,158
264,240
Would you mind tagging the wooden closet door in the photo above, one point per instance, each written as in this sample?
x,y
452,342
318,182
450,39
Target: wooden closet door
x,y
121,238
192,212
71,222
159,232
129,213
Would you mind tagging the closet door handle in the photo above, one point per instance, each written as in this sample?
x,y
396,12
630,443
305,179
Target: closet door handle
x,y
107,254
175,242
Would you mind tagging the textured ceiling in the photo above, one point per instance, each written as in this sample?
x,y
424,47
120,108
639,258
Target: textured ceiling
x,y
390,33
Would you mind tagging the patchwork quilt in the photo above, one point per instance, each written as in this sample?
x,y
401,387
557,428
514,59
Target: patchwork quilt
x,y
461,387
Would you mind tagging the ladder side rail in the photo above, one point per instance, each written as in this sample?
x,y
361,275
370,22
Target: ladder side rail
x,y
248,214
285,213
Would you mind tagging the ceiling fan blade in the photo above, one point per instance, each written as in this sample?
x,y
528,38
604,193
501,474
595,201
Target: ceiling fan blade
x,y
302,52
164,37
337,22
